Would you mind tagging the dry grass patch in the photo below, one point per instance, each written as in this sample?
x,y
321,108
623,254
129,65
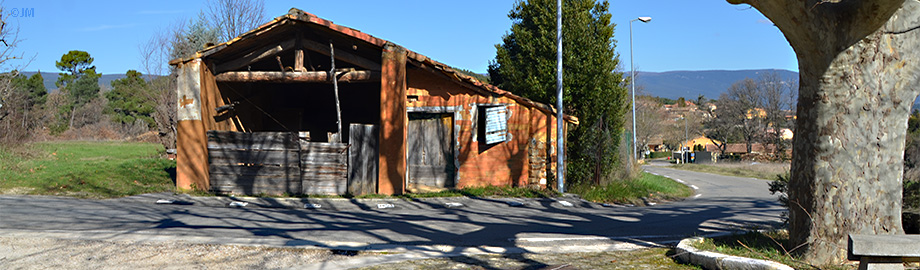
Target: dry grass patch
x,y
766,171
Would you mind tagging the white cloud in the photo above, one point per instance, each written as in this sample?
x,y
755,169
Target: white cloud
x,y
107,27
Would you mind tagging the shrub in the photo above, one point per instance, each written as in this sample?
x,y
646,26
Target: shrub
x,y
659,154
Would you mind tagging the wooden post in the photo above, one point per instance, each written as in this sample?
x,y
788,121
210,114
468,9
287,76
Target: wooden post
x,y
298,54
392,142
298,61
335,87
191,141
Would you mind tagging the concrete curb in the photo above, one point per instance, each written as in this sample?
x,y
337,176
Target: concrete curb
x,y
686,253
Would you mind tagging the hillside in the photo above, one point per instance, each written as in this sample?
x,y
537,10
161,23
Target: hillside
x,y
690,84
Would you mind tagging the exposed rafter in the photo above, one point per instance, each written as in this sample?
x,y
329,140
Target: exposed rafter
x,y
299,77
277,48
255,56
341,55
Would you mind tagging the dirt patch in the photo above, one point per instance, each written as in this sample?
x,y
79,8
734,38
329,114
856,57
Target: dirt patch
x,y
47,253
655,258
16,191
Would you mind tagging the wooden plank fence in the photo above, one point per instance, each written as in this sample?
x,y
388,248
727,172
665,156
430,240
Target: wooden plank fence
x,y
274,163
324,168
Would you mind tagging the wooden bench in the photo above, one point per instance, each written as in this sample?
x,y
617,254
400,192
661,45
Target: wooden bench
x,y
878,252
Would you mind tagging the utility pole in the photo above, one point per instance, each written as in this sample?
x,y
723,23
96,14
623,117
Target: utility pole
x,y
686,139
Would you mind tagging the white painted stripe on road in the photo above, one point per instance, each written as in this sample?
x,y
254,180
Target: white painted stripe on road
x,y
697,196
694,187
654,173
680,181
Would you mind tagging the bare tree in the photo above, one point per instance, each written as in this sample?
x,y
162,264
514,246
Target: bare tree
x,y
746,109
155,54
9,41
777,105
157,51
233,18
720,127
649,120
175,41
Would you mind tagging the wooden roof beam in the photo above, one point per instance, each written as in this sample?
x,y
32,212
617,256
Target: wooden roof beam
x,y
278,48
298,77
341,55
255,56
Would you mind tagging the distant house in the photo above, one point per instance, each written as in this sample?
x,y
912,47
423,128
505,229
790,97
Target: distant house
x,y
707,143
264,113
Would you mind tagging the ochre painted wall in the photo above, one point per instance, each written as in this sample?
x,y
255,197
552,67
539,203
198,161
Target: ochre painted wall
x,y
526,160
391,174
191,139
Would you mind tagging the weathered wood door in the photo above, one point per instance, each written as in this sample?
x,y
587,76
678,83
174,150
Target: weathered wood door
x,y
430,152
362,159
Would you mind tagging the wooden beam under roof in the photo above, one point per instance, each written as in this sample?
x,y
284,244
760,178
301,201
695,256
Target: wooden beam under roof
x,y
254,56
277,48
341,55
298,77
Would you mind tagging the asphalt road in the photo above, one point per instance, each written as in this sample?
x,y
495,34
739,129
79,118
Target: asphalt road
x,y
722,204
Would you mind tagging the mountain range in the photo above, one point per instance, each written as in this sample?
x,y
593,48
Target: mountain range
x,y
51,77
690,84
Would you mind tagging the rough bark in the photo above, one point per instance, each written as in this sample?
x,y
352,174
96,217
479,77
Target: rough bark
x,y
858,64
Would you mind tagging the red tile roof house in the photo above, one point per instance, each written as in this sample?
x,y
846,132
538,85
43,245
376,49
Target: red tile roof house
x,y
260,114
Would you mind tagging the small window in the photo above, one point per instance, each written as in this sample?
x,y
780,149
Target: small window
x,y
494,123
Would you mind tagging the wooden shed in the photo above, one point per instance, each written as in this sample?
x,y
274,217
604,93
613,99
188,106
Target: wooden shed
x,y
264,114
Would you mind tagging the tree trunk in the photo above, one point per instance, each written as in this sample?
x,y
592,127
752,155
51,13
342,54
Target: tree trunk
x,y
858,64
73,110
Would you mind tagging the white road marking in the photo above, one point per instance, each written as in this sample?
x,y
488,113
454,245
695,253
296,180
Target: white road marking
x,y
694,187
697,196
680,181
238,204
453,205
385,205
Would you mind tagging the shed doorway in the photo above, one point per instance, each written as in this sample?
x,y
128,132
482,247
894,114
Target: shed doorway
x,y
430,152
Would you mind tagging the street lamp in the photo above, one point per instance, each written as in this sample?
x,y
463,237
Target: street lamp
x,y
632,69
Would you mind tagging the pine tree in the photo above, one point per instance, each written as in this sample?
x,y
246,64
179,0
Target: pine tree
x,y
130,100
525,63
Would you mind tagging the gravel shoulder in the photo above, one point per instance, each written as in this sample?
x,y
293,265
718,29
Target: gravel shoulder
x,y
649,258
50,253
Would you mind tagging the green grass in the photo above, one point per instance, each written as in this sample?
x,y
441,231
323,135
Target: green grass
x,y
631,190
85,169
771,245
759,171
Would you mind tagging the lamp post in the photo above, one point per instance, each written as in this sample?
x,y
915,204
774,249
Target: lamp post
x,y
560,146
632,70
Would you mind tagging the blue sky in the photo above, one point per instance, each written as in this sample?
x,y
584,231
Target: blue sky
x,y
683,35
